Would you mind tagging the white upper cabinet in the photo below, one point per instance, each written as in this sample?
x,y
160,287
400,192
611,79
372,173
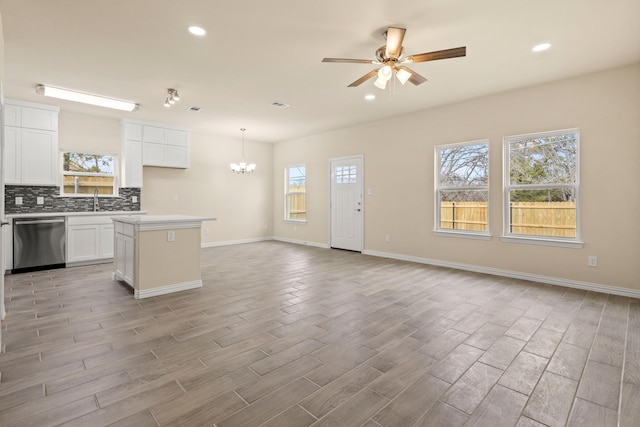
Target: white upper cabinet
x,y
131,164
151,144
31,143
165,147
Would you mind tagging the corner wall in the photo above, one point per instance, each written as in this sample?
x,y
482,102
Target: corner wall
x,y
398,168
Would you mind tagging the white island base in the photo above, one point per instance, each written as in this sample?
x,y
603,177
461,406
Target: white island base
x,y
158,254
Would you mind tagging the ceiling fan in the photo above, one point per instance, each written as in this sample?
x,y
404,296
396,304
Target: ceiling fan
x,y
391,57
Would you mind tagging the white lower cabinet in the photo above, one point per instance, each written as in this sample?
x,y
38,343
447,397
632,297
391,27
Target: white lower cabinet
x,y
125,253
89,239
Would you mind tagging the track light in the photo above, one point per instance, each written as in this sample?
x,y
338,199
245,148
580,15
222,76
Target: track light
x,y
86,98
172,97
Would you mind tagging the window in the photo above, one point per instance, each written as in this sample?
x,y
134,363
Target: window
x,y
296,193
541,187
462,188
84,173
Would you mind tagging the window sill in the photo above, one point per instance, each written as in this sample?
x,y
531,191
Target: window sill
x,y
90,196
576,244
462,234
297,221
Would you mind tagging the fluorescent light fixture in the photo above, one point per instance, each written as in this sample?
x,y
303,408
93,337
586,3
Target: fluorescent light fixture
x,y
85,98
540,47
197,31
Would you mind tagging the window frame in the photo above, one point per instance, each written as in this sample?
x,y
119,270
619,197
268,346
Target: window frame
x,y
559,241
113,175
471,234
287,193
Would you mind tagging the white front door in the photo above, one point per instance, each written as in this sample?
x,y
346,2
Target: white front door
x,y
346,203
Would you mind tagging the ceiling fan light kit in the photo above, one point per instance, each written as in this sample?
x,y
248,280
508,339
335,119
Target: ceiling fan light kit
x,y
391,57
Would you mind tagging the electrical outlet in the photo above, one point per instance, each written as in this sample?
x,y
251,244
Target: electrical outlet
x,y
40,200
134,199
175,197
171,236
18,200
387,238
592,261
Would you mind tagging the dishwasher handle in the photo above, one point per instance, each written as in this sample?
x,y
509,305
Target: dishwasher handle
x,y
37,221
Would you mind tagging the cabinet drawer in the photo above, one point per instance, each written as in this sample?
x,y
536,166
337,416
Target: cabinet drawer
x,y
89,220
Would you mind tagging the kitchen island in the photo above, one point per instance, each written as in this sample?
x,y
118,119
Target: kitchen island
x,y
158,254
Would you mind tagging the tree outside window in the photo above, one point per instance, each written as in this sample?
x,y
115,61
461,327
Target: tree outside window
x,y
84,173
541,185
462,187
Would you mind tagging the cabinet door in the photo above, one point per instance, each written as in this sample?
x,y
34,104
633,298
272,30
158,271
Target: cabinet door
x,y
177,157
132,164
154,134
38,157
129,260
12,115
8,245
120,255
11,155
82,243
35,118
132,131
177,137
153,154
106,241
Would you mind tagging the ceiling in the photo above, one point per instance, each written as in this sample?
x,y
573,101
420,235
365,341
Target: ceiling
x,y
259,52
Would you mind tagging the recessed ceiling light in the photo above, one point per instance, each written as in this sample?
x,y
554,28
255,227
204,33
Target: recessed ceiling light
x,y
369,97
540,47
197,31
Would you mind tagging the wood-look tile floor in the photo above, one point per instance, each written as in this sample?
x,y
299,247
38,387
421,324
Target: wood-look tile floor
x,y
286,335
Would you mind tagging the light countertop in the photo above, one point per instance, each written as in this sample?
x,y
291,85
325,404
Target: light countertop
x,y
50,214
160,222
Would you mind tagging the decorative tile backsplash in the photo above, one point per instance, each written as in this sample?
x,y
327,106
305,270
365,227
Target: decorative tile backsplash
x,y
54,203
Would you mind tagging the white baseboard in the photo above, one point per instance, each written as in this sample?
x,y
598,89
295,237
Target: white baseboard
x,y
587,286
161,290
264,239
235,242
302,242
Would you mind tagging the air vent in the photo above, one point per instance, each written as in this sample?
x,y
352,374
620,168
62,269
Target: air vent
x,y
278,104
195,108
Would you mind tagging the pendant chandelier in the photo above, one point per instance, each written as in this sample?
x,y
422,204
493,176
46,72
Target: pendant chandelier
x,y
243,167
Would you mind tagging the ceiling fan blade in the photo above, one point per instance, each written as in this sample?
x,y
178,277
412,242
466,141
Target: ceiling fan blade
x,y
395,36
354,61
439,54
364,78
415,78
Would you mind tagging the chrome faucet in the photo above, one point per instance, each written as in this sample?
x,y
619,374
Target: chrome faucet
x,y
95,200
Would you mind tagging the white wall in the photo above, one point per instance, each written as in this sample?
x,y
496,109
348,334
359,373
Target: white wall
x,y
242,204
399,157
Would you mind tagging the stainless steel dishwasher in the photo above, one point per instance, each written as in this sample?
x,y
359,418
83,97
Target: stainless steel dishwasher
x,y
38,243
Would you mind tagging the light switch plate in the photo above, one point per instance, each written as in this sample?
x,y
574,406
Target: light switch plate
x,y
40,200
18,200
134,199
